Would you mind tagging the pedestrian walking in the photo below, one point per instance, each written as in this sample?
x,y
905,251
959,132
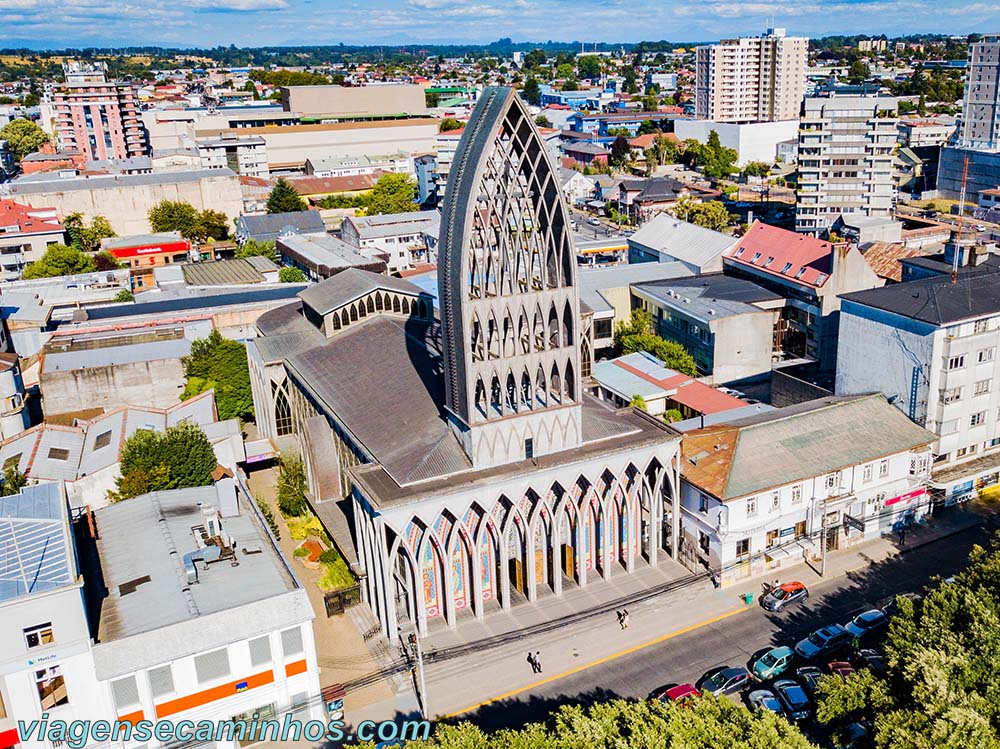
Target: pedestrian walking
x,y
716,583
538,662
532,662
902,535
621,619
624,618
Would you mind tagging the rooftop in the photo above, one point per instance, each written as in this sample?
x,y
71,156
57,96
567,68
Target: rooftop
x,y
884,258
372,227
269,226
325,254
23,219
36,553
236,271
682,240
110,182
347,286
594,282
712,296
778,252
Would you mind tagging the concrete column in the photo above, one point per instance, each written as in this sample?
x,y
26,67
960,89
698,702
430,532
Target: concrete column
x,y
504,560
605,555
528,547
675,524
476,594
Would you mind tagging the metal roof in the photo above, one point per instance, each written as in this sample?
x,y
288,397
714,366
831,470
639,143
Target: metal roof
x,y
116,355
236,271
36,554
268,226
348,285
324,254
592,282
414,222
682,241
18,187
197,300
712,296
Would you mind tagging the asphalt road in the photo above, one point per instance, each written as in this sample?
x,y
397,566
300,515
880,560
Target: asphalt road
x,y
738,639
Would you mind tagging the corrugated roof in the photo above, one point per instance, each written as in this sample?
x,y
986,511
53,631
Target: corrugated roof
x,y
685,242
268,226
35,551
883,258
593,282
780,447
236,271
712,296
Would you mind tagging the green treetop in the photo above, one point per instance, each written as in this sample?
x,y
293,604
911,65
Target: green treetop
x,y
284,198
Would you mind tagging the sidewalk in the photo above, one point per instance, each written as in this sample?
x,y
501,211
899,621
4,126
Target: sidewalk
x,y
458,685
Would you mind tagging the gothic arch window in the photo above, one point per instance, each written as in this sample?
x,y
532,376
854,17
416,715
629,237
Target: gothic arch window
x,y
481,398
496,396
570,381
335,321
585,359
555,385
354,313
492,337
553,327
283,421
477,340
527,399
371,305
539,330
362,310
509,347
378,302
567,325
395,303
541,387
510,394
422,307
345,319
406,306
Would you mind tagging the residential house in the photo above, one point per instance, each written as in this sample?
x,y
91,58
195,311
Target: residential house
x,y
269,226
25,234
585,154
642,198
666,239
408,239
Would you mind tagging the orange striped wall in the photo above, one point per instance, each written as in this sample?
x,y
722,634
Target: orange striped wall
x,y
211,695
132,718
298,667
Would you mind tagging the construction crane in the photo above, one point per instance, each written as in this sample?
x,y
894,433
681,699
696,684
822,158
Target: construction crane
x,y
961,220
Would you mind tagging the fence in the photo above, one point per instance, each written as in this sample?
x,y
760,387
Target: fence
x,y
338,601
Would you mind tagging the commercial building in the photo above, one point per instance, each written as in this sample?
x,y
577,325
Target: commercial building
x,y
666,239
752,141
507,480
25,234
350,166
320,256
242,154
981,108
354,102
810,274
408,239
267,227
936,347
751,79
766,492
926,132
95,117
845,160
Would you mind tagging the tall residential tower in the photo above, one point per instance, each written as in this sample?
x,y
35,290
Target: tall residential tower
x,y
981,108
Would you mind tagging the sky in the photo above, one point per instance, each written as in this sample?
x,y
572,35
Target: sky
x,y
207,23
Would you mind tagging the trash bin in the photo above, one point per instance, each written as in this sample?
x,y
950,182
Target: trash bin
x,y
748,598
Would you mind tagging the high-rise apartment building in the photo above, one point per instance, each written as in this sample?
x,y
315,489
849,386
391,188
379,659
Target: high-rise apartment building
x,y
751,79
845,159
981,108
97,118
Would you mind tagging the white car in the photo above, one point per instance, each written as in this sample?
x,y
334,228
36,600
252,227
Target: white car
x,y
594,221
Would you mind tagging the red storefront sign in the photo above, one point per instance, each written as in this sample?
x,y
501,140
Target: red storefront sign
x,y
181,245
9,738
906,497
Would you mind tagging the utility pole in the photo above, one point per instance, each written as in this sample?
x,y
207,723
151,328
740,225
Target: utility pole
x,y
421,682
822,540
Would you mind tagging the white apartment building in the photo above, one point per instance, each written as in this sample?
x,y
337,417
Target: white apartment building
x,y
751,79
981,107
845,159
197,615
761,493
244,154
351,166
408,239
935,344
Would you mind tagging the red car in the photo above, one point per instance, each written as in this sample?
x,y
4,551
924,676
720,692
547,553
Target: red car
x,y
843,669
679,693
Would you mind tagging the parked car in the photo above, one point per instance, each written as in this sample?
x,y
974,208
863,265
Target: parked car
x,y
872,659
594,221
764,699
824,640
793,698
728,680
785,594
891,605
843,669
852,736
773,663
678,693
866,623
809,676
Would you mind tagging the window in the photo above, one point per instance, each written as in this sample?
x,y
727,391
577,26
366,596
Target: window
x,y
956,362
702,503
51,687
982,387
58,453
291,642
283,421
977,419
768,262
951,395
985,355
125,692
751,506
831,481
866,473
755,258
161,681
211,666
39,635
260,650
883,469
772,538
775,500
703,542
797,493
743,547
103,440
981,326
992,443
787,267
800,529
951,426
529,448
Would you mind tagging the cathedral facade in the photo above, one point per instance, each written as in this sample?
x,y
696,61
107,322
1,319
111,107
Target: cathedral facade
x,y
480,474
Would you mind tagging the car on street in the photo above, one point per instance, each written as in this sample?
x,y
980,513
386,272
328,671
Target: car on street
x,y
784,595
773,663
824,640
843,669
867,622
677,693
728,680
594,221
809,677
764,699
793,698
872,659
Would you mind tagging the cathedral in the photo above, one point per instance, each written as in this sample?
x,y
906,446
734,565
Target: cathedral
x,y
476,471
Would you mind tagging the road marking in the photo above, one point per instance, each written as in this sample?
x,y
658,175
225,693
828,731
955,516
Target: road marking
x,y
598,662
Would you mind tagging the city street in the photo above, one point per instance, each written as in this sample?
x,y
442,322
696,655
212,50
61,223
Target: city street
x,y
732,638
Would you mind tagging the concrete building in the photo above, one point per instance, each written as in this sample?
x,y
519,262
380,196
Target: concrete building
x,y
727,324
501,486
872,45
95,117
751,79
25,234
267,227
320,256
845,160
349,166
14,416
936,343
242,154
125,200
353,102
408,239
981,107
753,141
914,133
666,239
811,275
761,493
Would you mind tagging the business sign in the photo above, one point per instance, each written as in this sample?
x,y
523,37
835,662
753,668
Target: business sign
x,y
906,497
787,532
43,659
852,522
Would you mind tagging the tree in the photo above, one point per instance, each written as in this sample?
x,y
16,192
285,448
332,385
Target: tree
x,y
859,72
711,215
173,215
179,458
534,59
672,414
212,225
650,103
104,260
716,161
589,66
637,335
13,480
292,275
756,169
220,363
638,402
630,82
84,237
564,71
393,193
253,248
542,121
532,92
284,198
292,486
60,260
125,295
431,99
647,127
570,84
23,137
663,151
448,124
620,151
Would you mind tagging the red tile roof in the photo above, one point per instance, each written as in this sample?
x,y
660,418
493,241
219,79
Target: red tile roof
x,y
332,185
991,191
689,392
645,141
788,254
28,220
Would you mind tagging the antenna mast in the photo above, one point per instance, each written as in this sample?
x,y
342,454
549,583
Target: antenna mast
x,y
961,219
